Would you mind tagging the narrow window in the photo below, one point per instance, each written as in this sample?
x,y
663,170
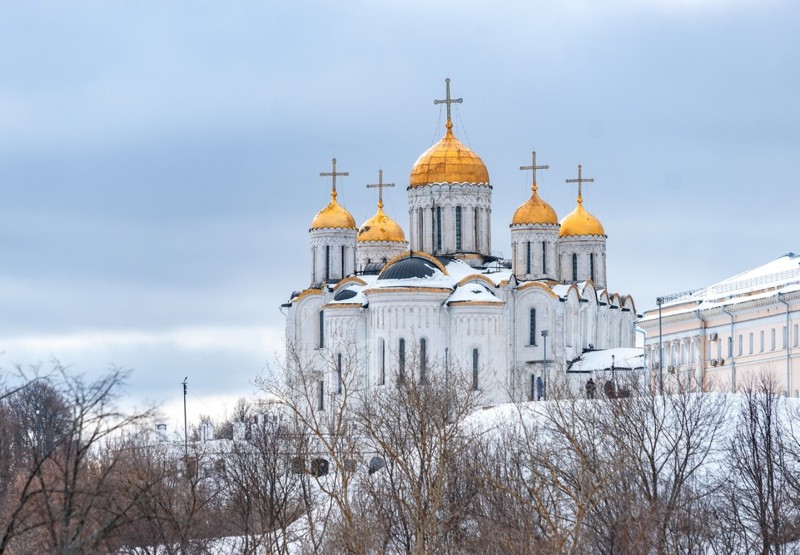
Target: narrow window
x,y
342,274
321,329
438,228
532,329
327,262
421,227
772,339
475,369
382,371
401,359
458,228
796,334
544,258
532,395
741,345
423,360
591,265
785,337
761,336
751,343
477,225
433,227
339,374
528,263
321,398
574,267
730,346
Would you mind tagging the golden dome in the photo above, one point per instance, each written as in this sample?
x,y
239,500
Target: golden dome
x,y
580,222
381,227
534,211
448,161
333,216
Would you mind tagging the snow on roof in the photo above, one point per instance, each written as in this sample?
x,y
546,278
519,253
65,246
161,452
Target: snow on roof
x,y
473,292
626,358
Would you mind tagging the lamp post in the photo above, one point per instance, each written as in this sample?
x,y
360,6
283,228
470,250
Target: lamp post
x,y
660,301
545,333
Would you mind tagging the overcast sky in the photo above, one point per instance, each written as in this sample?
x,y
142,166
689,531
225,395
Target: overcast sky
x,y
159,161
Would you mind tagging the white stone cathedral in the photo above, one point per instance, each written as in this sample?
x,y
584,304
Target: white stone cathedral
x,y
446,301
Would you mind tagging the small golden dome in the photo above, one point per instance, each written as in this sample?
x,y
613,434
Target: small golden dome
x,y
448,161
534,211
580,222
333,216
381,227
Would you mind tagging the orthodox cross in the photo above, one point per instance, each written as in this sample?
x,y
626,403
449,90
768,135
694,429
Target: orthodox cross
x,y
380,185
580,181
534,167
448,100
333,174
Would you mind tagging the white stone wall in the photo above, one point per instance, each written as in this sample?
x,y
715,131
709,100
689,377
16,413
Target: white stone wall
x,y
542,241
476,211
377,251
339,241
583,246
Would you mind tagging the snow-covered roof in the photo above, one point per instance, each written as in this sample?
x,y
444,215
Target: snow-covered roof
x,y
624,358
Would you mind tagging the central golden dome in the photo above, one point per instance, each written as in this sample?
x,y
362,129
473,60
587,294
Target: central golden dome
x,y
381,227
448,161
580,222
333,216
534,211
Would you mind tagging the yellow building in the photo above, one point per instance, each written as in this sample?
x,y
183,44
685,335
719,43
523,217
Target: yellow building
x,y
723,335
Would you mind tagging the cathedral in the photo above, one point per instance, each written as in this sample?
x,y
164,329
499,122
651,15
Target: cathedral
x,y
439,299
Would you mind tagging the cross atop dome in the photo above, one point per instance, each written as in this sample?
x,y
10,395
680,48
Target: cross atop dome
x,y
534,167
447,100
333,174
380,185
580,181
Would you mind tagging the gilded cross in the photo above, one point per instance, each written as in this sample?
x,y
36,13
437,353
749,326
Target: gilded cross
x,y
581,180
333,174
380,185
534,167
448,100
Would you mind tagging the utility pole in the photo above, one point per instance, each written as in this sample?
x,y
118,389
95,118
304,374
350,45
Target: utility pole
x,y
185,425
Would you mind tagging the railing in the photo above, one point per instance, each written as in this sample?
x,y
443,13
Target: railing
x,y
738,285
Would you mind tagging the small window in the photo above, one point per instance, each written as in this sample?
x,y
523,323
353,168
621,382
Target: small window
x,y
772,339
423,360
382,354
751,343
762,341
785,337
528,261
475,369
544,258
574,267
438,228
532,329
321,329
591,265
321,397
343,258
401,360
327,262
458,228
741,345
339,374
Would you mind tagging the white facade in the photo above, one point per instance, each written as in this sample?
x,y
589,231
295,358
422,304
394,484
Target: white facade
x,y
447,304
723,336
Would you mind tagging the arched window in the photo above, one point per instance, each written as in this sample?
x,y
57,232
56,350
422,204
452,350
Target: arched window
x,y
401,360
327,262
528,259
423,359
438,228
574,267
342,274
544,257
321,329
381,361
458,228
532,328
475,369
591,265
339,374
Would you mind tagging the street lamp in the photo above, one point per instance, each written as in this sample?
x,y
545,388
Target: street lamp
x,y
545,333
